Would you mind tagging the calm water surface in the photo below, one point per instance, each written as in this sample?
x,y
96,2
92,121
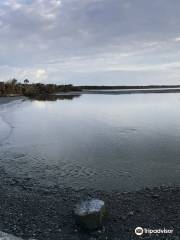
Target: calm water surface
x,y
105,142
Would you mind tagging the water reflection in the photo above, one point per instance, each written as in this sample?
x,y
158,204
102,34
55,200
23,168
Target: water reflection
x,y
52,97
97,141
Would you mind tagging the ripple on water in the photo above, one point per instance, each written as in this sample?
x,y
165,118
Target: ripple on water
x,y
22,165
5,130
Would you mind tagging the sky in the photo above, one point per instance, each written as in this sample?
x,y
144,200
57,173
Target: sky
x,y
90,42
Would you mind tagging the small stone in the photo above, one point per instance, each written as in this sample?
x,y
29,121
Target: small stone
x,y
89,214
131,213
123,218
155,196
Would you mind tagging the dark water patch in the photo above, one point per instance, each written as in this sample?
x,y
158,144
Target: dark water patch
x,y
51,97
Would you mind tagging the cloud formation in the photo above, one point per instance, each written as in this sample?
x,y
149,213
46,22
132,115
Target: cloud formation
x,y
90,41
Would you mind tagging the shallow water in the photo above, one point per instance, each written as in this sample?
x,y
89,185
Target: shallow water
x,y
122,142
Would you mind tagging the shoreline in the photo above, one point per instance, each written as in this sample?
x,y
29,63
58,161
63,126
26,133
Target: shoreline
x,y
121,91
9,98
133,91
47,213
52,96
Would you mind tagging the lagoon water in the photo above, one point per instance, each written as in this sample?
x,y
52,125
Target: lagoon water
x,y
122,142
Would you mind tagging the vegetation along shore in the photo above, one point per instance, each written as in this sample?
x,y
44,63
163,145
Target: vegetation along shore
x,y
41,91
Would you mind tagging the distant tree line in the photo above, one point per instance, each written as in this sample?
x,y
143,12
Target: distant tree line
x,y
27,89
36,89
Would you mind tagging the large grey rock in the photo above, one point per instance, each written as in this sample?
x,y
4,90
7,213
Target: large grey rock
x,y
89,214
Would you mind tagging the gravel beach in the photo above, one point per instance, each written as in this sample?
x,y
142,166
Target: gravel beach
x,y
29,212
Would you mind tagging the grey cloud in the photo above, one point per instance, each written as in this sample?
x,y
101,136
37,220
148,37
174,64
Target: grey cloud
x,y
47,34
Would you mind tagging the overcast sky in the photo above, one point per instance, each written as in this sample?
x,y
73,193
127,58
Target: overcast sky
x,y
90,41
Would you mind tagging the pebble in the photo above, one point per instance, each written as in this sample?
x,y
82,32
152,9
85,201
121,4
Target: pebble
x,y
131,213
155,196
